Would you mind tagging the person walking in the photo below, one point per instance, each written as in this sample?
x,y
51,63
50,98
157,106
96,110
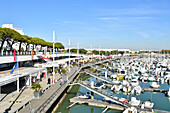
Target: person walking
x,y
61,81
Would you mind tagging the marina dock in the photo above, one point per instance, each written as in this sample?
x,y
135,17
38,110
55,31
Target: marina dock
x,y
154,89
97,103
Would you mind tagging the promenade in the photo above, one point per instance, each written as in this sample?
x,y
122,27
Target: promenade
x,y
50,96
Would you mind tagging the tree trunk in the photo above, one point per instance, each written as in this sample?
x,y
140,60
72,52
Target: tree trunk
x,y
11,45
8,43
26,47
41,48
20,46
2,44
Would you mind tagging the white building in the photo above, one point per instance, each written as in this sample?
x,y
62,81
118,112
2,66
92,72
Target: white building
x,y
19,30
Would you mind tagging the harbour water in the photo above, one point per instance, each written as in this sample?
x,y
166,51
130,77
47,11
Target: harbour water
x,y
161,101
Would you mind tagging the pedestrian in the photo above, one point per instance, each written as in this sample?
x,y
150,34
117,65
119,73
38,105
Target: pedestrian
x,y
61,81
49,81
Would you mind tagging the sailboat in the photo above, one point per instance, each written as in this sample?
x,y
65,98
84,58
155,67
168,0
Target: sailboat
x,y
130,109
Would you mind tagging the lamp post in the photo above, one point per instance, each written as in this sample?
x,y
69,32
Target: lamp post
x,y
53,57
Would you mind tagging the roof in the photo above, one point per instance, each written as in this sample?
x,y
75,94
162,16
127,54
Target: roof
x,y
7,78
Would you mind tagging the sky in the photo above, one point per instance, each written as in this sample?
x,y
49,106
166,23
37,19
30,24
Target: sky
x,y
111,24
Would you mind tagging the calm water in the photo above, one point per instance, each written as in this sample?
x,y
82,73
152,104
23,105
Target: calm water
x,y
161,101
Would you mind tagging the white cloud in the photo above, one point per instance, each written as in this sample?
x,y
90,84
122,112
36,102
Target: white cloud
x,y
144,35
109,18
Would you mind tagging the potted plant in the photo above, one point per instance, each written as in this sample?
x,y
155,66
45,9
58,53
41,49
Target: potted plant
x,y
63,71
37,90
73,64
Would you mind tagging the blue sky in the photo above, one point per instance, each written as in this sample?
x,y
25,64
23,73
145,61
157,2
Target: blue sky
x,y
131,24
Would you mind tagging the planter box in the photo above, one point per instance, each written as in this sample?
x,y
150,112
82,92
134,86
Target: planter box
x,y
37,94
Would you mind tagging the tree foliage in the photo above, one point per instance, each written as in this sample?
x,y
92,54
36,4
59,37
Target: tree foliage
x,y
73,50
82,51
12,36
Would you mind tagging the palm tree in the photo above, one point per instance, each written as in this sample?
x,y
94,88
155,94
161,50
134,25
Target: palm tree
x,y
36,87
63,70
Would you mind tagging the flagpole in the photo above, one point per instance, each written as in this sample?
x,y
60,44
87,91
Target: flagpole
x,y
91,53
53,56
69,60
78,53
99,52
18,74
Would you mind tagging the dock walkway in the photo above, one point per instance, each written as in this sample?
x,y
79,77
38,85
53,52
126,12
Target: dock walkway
x,y
103,95
97,103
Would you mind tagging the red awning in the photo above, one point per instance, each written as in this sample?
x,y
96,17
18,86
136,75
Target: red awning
x,y
44,57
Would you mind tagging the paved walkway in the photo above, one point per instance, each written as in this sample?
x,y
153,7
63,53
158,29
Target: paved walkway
x,y
48,97
26,94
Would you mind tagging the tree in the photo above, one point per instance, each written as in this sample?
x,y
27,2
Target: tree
x,y
23,39
63,70
114,52
95,52
59,46
36,87
2,37
28,41
36,41
82,51
73,50
9,35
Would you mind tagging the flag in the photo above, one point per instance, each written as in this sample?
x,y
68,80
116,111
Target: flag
x,y
64,52
14,67
31,54
14,55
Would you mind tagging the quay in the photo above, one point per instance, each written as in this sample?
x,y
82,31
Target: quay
x,y
42,104
97,103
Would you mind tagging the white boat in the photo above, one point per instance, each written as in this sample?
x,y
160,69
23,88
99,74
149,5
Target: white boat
x,y
113,76
143,70
135,102
122,99
154,85
137,90
116,87
130,110
127,89
116,82
98,85
151,79
148,104
162,81
134,82
125,83
83,96
168,92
